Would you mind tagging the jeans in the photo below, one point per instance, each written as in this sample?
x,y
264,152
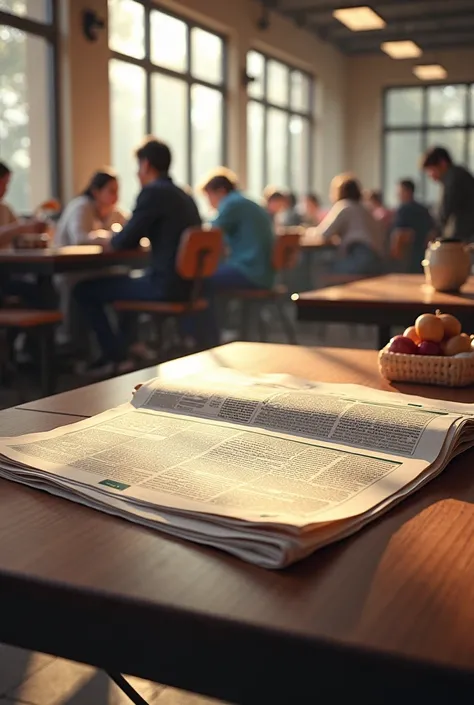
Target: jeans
x,y
93,296
359,259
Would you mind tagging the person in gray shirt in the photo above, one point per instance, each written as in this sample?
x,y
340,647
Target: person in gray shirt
x,y
456,213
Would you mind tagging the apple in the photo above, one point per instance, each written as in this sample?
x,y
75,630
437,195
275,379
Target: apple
x,y
427,347
402,344
411,333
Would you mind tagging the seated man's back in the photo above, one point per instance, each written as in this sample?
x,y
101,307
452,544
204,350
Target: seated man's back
x,y
162,213
249,234
414,216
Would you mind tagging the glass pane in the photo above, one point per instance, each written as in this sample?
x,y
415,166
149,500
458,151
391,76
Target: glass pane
x,y
277,89
127,27
255,70
300,155
300,92
172,125
168,37
207,132
33,9
447,105
25,105
471,116
404,106
455,142
128,126
402,153
277,134
470,163
206,56
255,149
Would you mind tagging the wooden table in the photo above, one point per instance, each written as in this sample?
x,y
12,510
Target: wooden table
x,y
392,300
48,262
385,616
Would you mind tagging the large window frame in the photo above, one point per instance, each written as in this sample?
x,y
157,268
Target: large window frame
x,y
424,127
290,112
186,77
49,31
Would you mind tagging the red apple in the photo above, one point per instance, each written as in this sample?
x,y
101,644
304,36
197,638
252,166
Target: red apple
x,y
404,345
427,347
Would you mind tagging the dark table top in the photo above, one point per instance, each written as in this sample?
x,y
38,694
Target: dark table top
x,y
390,608
69,259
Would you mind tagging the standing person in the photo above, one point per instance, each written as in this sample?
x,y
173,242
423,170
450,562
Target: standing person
x,y
456,213
162,213
412,215
86,220
350,223
248,234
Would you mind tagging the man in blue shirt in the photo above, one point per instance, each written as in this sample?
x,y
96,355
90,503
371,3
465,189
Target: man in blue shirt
x,y
162,213
413,216
248,233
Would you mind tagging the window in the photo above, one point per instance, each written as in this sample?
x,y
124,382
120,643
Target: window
x,y
28,137
167,77
279,126
420,117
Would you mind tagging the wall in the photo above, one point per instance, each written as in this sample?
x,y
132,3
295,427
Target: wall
x,y
366,79
86,135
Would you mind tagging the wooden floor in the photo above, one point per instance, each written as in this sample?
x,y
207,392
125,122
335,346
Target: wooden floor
x,y
36,679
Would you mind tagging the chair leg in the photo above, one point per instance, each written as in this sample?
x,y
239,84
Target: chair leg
x,y
48,379
287,324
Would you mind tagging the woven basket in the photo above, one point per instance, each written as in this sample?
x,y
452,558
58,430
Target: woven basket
x,y
427,369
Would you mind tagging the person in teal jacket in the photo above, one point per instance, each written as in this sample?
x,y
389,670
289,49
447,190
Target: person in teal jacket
x,y
248,234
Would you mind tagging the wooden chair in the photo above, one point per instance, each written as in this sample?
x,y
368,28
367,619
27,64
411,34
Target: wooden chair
x,y
285,257
41,323
197,259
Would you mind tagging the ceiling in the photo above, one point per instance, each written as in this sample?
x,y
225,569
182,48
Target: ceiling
x,y
432,24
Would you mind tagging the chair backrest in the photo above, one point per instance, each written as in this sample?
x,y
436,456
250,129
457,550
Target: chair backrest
x,y
199,253
400,243
286,249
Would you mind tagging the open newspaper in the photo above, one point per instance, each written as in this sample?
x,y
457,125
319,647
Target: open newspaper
x,y
267,468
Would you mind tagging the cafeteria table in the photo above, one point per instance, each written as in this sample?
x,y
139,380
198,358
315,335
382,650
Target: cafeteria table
x,y
45,263
381,617
388,301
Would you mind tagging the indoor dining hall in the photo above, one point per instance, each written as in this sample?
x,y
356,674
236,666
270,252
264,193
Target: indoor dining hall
x,y
236,351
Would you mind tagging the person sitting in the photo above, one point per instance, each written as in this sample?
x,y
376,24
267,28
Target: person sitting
x,y
456,214
7,216
275,203
162,213
350,223
290,216
86,220
416,218
90,216
248,234
313,213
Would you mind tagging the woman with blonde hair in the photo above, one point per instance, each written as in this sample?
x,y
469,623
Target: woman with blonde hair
x,y
352,227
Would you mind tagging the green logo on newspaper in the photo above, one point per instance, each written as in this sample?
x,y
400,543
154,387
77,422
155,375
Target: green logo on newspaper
x,y
114,484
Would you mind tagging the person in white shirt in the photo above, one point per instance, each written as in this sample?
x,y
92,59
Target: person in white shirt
x,y
88,219
353,228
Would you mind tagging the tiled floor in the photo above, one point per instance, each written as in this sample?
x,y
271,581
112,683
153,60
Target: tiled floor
x,y
36,679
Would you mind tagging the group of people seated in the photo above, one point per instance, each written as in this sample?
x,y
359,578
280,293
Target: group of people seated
x,y
357,224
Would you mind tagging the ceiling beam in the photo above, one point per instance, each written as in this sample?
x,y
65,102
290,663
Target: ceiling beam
x,y
402,28
428,40
291,6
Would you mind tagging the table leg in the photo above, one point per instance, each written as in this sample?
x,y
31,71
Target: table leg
x,y
384,335
47,293
48,374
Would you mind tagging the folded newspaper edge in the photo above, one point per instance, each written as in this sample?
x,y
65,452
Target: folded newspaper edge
x,y
268,468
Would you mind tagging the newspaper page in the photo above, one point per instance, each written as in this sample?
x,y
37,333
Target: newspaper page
x,y
240,453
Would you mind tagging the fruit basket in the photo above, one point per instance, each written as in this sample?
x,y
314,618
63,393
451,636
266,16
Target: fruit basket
x,y
433,351
426,369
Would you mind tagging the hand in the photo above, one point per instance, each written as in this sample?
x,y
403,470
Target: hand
x,y
34,226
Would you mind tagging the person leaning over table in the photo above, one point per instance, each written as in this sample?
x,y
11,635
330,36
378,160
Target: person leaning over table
x,y
87,220
353,227
163,211
456,211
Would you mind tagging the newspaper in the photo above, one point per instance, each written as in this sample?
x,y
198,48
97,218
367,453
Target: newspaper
x,y
268,468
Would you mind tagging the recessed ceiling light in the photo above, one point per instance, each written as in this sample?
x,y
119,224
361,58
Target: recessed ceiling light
x,y
430,72
359,19
401,50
